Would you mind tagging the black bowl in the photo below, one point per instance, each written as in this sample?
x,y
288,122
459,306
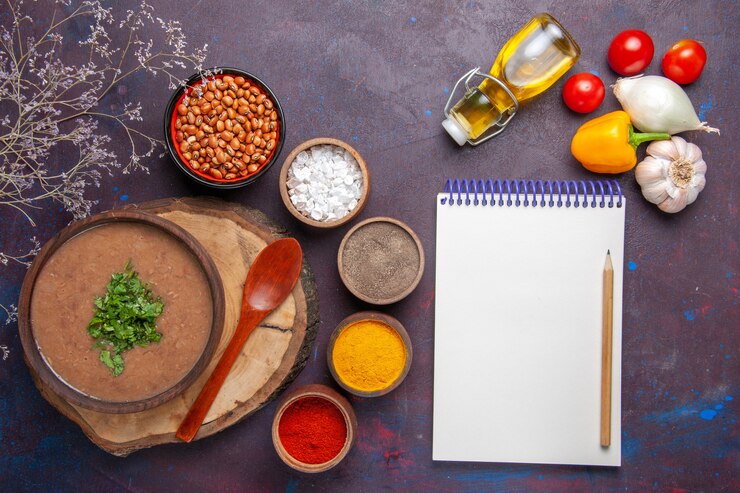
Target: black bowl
x,y
174,149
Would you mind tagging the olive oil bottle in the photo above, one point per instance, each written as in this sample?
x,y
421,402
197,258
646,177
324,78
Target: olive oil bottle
x,y
530,62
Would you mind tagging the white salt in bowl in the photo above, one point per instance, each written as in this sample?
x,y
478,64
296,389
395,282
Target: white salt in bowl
x,y
326,182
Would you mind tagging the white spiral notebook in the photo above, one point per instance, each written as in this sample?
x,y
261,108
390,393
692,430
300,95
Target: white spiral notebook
x,y
518,321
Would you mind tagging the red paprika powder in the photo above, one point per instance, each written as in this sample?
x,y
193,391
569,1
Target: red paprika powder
x,y
312,430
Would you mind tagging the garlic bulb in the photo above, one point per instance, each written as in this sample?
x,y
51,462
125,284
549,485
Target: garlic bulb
x,y
672,174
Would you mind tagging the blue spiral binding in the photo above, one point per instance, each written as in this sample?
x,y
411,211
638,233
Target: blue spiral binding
x,y
586,193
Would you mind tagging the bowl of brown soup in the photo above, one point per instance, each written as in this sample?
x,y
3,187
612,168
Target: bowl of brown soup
x,y
114,280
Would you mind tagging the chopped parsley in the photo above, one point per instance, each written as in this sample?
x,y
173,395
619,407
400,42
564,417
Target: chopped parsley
x,y
124,318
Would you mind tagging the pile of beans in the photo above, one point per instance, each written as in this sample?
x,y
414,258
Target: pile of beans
x,y
226,129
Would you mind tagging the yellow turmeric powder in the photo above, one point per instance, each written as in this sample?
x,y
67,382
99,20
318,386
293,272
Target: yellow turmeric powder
x,y
369,355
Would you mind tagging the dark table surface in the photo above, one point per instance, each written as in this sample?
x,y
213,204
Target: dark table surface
x,y
377,75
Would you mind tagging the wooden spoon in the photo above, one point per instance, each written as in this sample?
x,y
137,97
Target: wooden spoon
x,y
269,281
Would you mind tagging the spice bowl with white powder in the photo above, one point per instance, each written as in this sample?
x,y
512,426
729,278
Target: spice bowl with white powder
x,y
324,182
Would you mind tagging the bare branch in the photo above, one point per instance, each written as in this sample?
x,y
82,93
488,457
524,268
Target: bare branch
x,y
41,93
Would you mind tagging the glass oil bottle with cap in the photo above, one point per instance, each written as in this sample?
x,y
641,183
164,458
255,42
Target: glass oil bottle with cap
x,y
530,62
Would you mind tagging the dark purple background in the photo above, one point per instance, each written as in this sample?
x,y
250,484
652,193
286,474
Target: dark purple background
x,y
377,75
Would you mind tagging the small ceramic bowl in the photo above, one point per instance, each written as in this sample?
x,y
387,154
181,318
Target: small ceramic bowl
x,y
378,317
284,187
170,117
381,260
329,395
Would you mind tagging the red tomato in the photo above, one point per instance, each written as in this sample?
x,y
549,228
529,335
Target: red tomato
x,y
583,92
630,52
684,61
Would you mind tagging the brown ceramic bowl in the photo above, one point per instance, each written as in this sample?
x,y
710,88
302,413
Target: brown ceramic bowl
x,y
37,326
284,178
330,395
380,317
381,260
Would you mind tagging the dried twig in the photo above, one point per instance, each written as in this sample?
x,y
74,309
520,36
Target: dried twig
x,y
48,104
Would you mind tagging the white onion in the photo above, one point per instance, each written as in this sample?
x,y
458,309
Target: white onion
x,y
657,104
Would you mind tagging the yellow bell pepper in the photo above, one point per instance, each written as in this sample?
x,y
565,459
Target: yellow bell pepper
x,y
607,144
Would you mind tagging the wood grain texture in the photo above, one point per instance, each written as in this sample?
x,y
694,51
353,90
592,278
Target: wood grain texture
x,y
606,353
275,353
270,281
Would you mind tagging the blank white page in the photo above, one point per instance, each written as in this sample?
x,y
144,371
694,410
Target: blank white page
x,y
517,337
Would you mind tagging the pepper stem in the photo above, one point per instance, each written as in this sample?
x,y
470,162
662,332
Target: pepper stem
x,y
636,138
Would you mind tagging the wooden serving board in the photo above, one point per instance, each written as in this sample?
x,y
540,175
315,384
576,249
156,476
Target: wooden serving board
x,y
272,357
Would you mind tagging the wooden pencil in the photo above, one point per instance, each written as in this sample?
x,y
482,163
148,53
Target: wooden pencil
x,y
606,352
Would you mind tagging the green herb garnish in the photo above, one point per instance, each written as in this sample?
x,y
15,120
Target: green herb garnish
x,y
125,317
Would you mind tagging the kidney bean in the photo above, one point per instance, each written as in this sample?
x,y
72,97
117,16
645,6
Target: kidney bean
x,y
226,128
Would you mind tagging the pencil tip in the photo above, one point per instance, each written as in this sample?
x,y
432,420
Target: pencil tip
x,y
608,252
